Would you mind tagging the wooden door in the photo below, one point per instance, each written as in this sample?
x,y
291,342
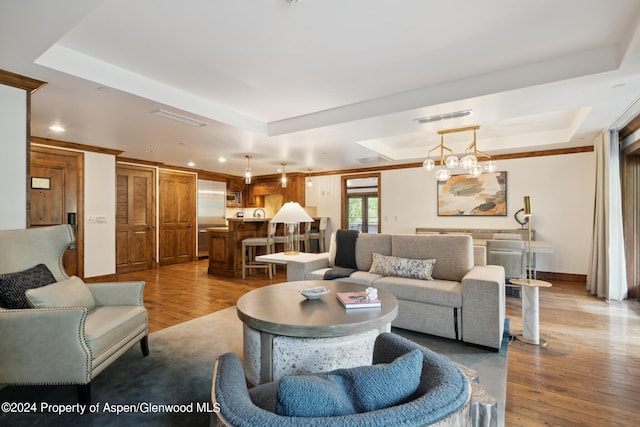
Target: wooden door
x,y
135,218
56,197
177,217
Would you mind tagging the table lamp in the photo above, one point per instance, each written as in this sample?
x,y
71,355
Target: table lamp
x,y
291,214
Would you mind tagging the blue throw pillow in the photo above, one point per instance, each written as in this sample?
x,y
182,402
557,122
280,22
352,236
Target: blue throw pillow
x,y
384,385
312,396
350,391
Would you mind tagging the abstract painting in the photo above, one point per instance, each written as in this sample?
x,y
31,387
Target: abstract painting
x,y
466,195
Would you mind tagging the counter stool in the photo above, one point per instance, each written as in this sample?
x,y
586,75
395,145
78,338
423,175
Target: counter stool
x,y
249,251
319,235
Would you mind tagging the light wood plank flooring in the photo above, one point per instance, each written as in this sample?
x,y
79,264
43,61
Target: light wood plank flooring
x,y
588,375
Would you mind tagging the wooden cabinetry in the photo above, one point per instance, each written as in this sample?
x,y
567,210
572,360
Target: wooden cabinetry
x,y
225,251
268,185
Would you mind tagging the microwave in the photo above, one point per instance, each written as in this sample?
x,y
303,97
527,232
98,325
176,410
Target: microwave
x,y
234,199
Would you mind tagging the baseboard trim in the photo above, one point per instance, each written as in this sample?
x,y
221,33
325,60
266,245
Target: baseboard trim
x,y
105,278
566,277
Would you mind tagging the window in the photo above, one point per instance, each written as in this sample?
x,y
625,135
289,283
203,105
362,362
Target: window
x,y
361,203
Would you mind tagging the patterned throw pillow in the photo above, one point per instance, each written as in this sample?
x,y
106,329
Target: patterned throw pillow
x,y
14,285
402,267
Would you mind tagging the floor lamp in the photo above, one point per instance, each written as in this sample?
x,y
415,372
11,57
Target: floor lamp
x,y
530,293
291,214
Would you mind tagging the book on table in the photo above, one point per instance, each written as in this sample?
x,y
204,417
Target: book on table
x,y
357,300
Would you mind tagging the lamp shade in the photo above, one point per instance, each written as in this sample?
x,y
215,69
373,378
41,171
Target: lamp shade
x,y
292,212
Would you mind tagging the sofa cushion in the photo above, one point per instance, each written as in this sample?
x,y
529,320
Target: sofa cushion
x,y
107,325
349,391
71,292
367,244
14,285
454,253
438,292
402,267
362,277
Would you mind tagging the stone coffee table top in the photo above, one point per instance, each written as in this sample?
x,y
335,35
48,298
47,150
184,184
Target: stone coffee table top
x,y
282,310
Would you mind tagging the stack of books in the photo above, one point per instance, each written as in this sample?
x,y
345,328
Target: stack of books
x,y
357,300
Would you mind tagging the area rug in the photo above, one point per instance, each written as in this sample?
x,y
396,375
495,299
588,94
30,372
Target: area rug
x,y
172,386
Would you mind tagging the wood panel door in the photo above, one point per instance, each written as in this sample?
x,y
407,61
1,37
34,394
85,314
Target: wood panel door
x,y
177,217
135,218
56,197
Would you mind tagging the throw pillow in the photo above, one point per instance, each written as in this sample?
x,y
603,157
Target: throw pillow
x,y
350,391
14,285
384,385
402,267
72,292
312,396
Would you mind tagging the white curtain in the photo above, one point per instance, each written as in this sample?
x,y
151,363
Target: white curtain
x,y
607,275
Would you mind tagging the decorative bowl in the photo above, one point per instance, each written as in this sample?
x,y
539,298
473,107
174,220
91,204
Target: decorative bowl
x,y
314,293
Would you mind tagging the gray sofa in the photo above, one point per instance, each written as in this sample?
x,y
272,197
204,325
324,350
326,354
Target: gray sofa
x,y
463,301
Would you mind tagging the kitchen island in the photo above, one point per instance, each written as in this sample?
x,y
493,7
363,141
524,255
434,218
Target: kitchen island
x,y
225,249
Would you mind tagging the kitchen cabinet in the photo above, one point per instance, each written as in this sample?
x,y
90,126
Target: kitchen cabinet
x,y
268,185
225,250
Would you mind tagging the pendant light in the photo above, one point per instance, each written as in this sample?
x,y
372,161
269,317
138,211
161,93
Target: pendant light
x,y
247,173
309,179
283,179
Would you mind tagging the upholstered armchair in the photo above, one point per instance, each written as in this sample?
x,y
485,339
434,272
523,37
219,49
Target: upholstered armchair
x,y
438,393
70,331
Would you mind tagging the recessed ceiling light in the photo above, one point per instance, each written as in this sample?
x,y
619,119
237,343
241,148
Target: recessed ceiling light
x,y
221,159
191,164
57,128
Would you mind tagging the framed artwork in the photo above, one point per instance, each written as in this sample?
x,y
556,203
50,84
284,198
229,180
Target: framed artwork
x,y
465,195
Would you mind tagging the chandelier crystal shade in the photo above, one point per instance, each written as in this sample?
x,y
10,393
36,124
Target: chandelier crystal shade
x,y
468,162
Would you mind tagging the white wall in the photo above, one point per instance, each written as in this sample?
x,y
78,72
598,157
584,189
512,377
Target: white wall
x,y
13,162
99,203
561,189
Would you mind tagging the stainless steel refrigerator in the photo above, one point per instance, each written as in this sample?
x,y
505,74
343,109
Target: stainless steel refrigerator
x,y
211,211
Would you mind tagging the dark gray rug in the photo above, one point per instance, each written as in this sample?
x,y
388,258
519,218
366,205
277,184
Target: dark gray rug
x,y
172,387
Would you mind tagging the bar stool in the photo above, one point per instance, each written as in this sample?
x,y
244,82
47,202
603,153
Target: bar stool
x,y
319,235
249,246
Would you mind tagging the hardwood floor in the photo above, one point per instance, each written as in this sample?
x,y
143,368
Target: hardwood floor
x,y
588,375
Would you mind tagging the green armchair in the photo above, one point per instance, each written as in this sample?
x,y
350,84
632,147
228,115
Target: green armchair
x,y
59,342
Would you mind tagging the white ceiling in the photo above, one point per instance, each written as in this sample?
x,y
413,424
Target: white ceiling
x,y
323,84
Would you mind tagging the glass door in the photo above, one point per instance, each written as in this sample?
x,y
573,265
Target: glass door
x,y
361,203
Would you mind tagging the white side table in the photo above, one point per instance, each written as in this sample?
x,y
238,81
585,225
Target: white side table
x,y
531,310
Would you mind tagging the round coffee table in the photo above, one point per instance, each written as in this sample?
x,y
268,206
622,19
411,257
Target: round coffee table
x,y
286,333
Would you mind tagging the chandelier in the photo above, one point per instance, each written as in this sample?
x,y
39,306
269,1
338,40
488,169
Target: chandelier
x,y
468,162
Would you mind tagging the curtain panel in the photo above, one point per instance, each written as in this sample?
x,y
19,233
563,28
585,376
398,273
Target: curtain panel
x,y
607,277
